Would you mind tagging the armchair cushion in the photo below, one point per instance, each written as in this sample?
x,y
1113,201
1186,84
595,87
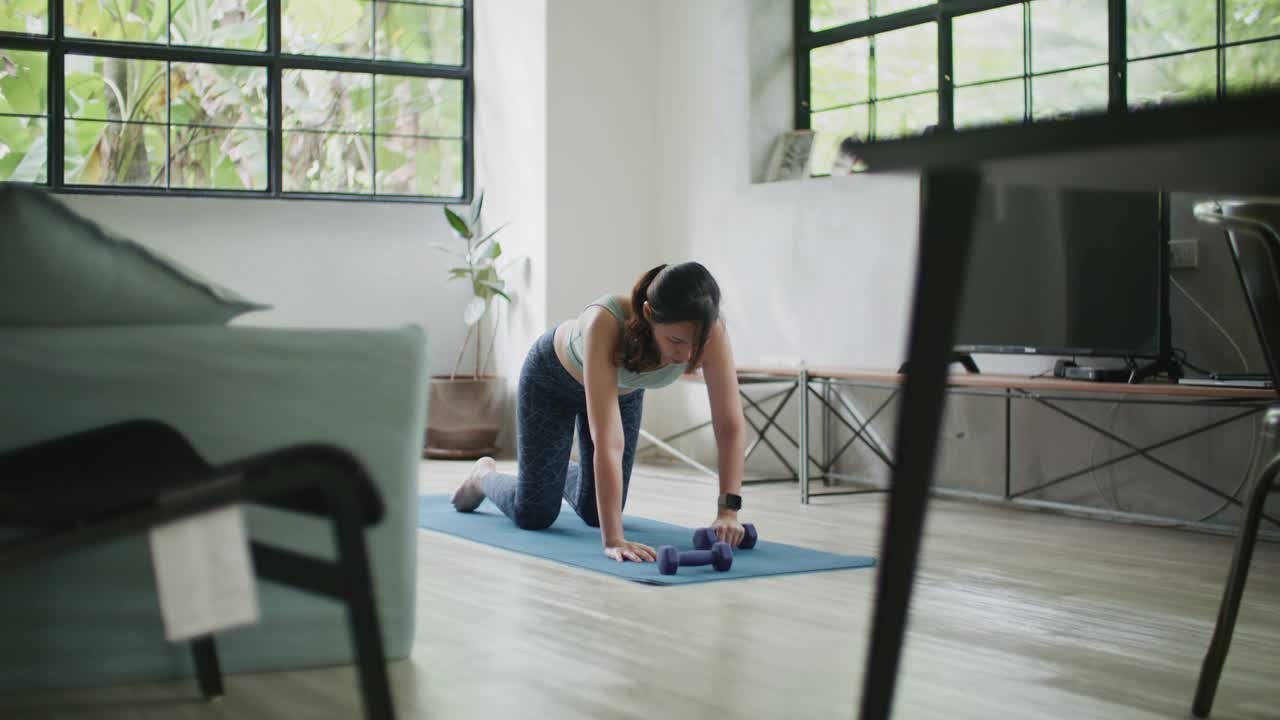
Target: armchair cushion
x,y
59,269
232,392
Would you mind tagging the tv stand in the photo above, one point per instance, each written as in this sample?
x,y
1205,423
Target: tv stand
x,y
964,358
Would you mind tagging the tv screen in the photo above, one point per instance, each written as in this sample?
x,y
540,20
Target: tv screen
x,y
1056,271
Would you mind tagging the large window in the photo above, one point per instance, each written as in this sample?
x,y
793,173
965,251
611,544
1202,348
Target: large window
x,y
883,69
296,98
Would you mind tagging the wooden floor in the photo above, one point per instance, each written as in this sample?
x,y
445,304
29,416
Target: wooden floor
x,y
1016,615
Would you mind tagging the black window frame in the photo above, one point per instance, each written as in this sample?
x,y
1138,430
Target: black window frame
x,y
57,46
943,12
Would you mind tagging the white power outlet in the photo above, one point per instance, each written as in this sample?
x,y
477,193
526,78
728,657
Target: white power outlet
x,y
1184,253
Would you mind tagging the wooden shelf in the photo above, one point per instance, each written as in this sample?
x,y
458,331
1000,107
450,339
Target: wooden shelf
x,y
1005,382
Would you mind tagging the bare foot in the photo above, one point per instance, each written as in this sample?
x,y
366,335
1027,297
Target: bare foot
x,y
469,496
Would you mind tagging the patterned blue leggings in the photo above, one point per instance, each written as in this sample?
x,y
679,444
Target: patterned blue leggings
x,y
549,401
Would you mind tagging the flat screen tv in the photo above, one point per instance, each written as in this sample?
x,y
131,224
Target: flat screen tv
x,y
1056,271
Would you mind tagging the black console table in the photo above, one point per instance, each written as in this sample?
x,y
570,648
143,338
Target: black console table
x,y
1230,147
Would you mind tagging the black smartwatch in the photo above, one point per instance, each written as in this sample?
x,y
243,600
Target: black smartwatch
x,y
731,501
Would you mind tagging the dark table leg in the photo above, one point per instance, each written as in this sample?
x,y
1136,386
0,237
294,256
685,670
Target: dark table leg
x,y
948,203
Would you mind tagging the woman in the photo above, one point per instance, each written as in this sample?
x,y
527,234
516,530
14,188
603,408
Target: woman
x,y
593,371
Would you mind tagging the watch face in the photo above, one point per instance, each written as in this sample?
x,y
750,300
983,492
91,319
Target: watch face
x,y
731,501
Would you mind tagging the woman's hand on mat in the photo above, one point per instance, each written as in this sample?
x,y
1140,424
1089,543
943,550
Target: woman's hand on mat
x,y
626,550
728,529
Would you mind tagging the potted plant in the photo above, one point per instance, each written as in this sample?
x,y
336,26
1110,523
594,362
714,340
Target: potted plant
x,y
466,410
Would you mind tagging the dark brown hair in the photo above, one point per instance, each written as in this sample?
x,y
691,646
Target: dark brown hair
x,y
676,293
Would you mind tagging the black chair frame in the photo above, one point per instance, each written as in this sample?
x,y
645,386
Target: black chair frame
x,y
1255,251
103,484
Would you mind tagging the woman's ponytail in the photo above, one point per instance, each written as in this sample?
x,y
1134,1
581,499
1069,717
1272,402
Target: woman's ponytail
x,y
637,350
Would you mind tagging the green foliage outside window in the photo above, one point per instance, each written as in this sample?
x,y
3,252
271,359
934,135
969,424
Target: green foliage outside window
x,y
193,125
1033,60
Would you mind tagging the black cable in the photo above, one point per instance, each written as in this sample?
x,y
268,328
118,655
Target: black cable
x,y
1182,358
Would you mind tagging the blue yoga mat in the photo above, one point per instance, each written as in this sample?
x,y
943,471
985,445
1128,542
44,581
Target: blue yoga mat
x,y
573,542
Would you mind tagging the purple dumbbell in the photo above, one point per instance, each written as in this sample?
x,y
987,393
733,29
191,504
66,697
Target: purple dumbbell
x,y
720,557
704,538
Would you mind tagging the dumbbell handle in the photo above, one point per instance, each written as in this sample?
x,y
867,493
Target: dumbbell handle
x,y
670,560
689,558
703,538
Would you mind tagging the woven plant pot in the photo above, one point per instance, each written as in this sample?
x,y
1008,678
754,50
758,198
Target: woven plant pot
x,y
464,416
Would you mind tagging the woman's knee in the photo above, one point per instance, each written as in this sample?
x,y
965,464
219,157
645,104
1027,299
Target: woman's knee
x,y
535,517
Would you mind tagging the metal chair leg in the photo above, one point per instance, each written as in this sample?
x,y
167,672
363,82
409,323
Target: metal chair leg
x,y
208,673
1216,656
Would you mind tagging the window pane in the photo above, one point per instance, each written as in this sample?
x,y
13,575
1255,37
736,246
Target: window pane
x,y
1253,67
322,100
327,162
832,127
239,24
1248,19
907,60
830,13
1162,26
419,106
987,45
134,20
418,33
1068,33
889,7
419,166
1179,78
24,78
342,28
23,155
840,74
112,153
217,159
906,116
104,88
1063,95
224,95
24,16
199,125
992,104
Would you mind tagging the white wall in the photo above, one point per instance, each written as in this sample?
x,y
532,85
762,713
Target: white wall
x,y
601,146
319,264
816,270
511,167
